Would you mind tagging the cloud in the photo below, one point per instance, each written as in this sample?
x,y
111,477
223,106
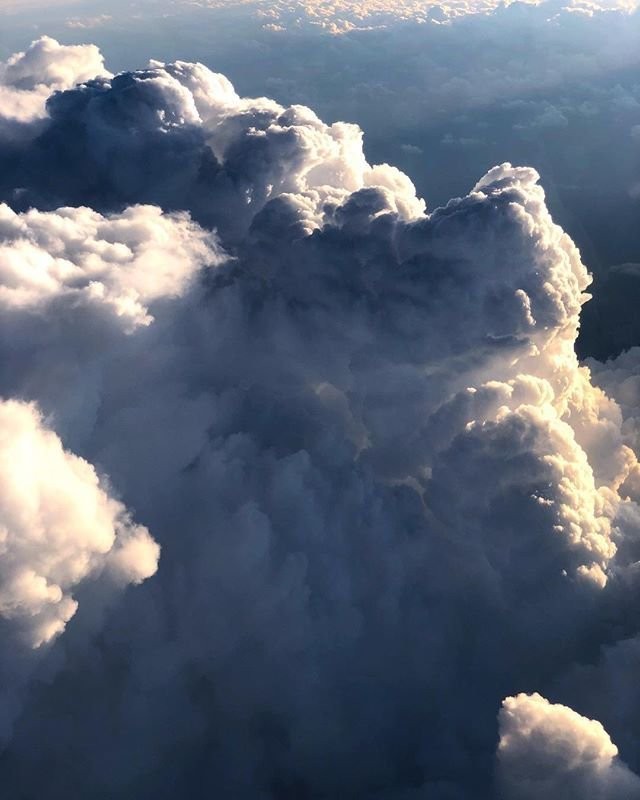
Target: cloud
x,y
59,528
88,22
348,15
549,750
470,77
387,493
79,257
28,78
180,137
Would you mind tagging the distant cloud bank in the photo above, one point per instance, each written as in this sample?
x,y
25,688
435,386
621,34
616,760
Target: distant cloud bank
x,y
342,16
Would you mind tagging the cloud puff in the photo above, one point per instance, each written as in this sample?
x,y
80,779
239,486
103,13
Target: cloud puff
x,y
28,78
59,527
548,750
77,256
74,284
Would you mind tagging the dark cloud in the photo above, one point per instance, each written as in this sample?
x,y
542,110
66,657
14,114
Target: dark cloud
x,y
609,321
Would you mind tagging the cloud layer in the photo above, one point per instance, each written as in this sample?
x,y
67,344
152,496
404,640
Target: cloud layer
x,y
347,15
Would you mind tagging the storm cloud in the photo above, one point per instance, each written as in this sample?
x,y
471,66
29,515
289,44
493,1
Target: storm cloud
x,y
387,494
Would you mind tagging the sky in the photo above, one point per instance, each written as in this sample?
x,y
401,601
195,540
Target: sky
x,y
319,400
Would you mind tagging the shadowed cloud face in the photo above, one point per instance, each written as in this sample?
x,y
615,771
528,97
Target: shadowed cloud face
x,y
386,493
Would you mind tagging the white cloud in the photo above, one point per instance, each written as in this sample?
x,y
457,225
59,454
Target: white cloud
x,y
88,22
28,78
123,262
58,527
549,750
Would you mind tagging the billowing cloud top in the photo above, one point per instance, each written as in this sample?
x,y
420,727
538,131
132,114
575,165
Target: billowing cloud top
x,y
387,494
179,135
550,751
27,79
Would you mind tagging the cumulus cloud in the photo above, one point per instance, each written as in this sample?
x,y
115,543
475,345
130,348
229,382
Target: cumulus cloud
x,y
179,136
59,527
549,750
466,92
77,256
28,78
387,493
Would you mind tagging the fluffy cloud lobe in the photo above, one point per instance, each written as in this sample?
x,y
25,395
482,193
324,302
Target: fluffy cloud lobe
x,y
59,526
28,78
548,750
123,262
